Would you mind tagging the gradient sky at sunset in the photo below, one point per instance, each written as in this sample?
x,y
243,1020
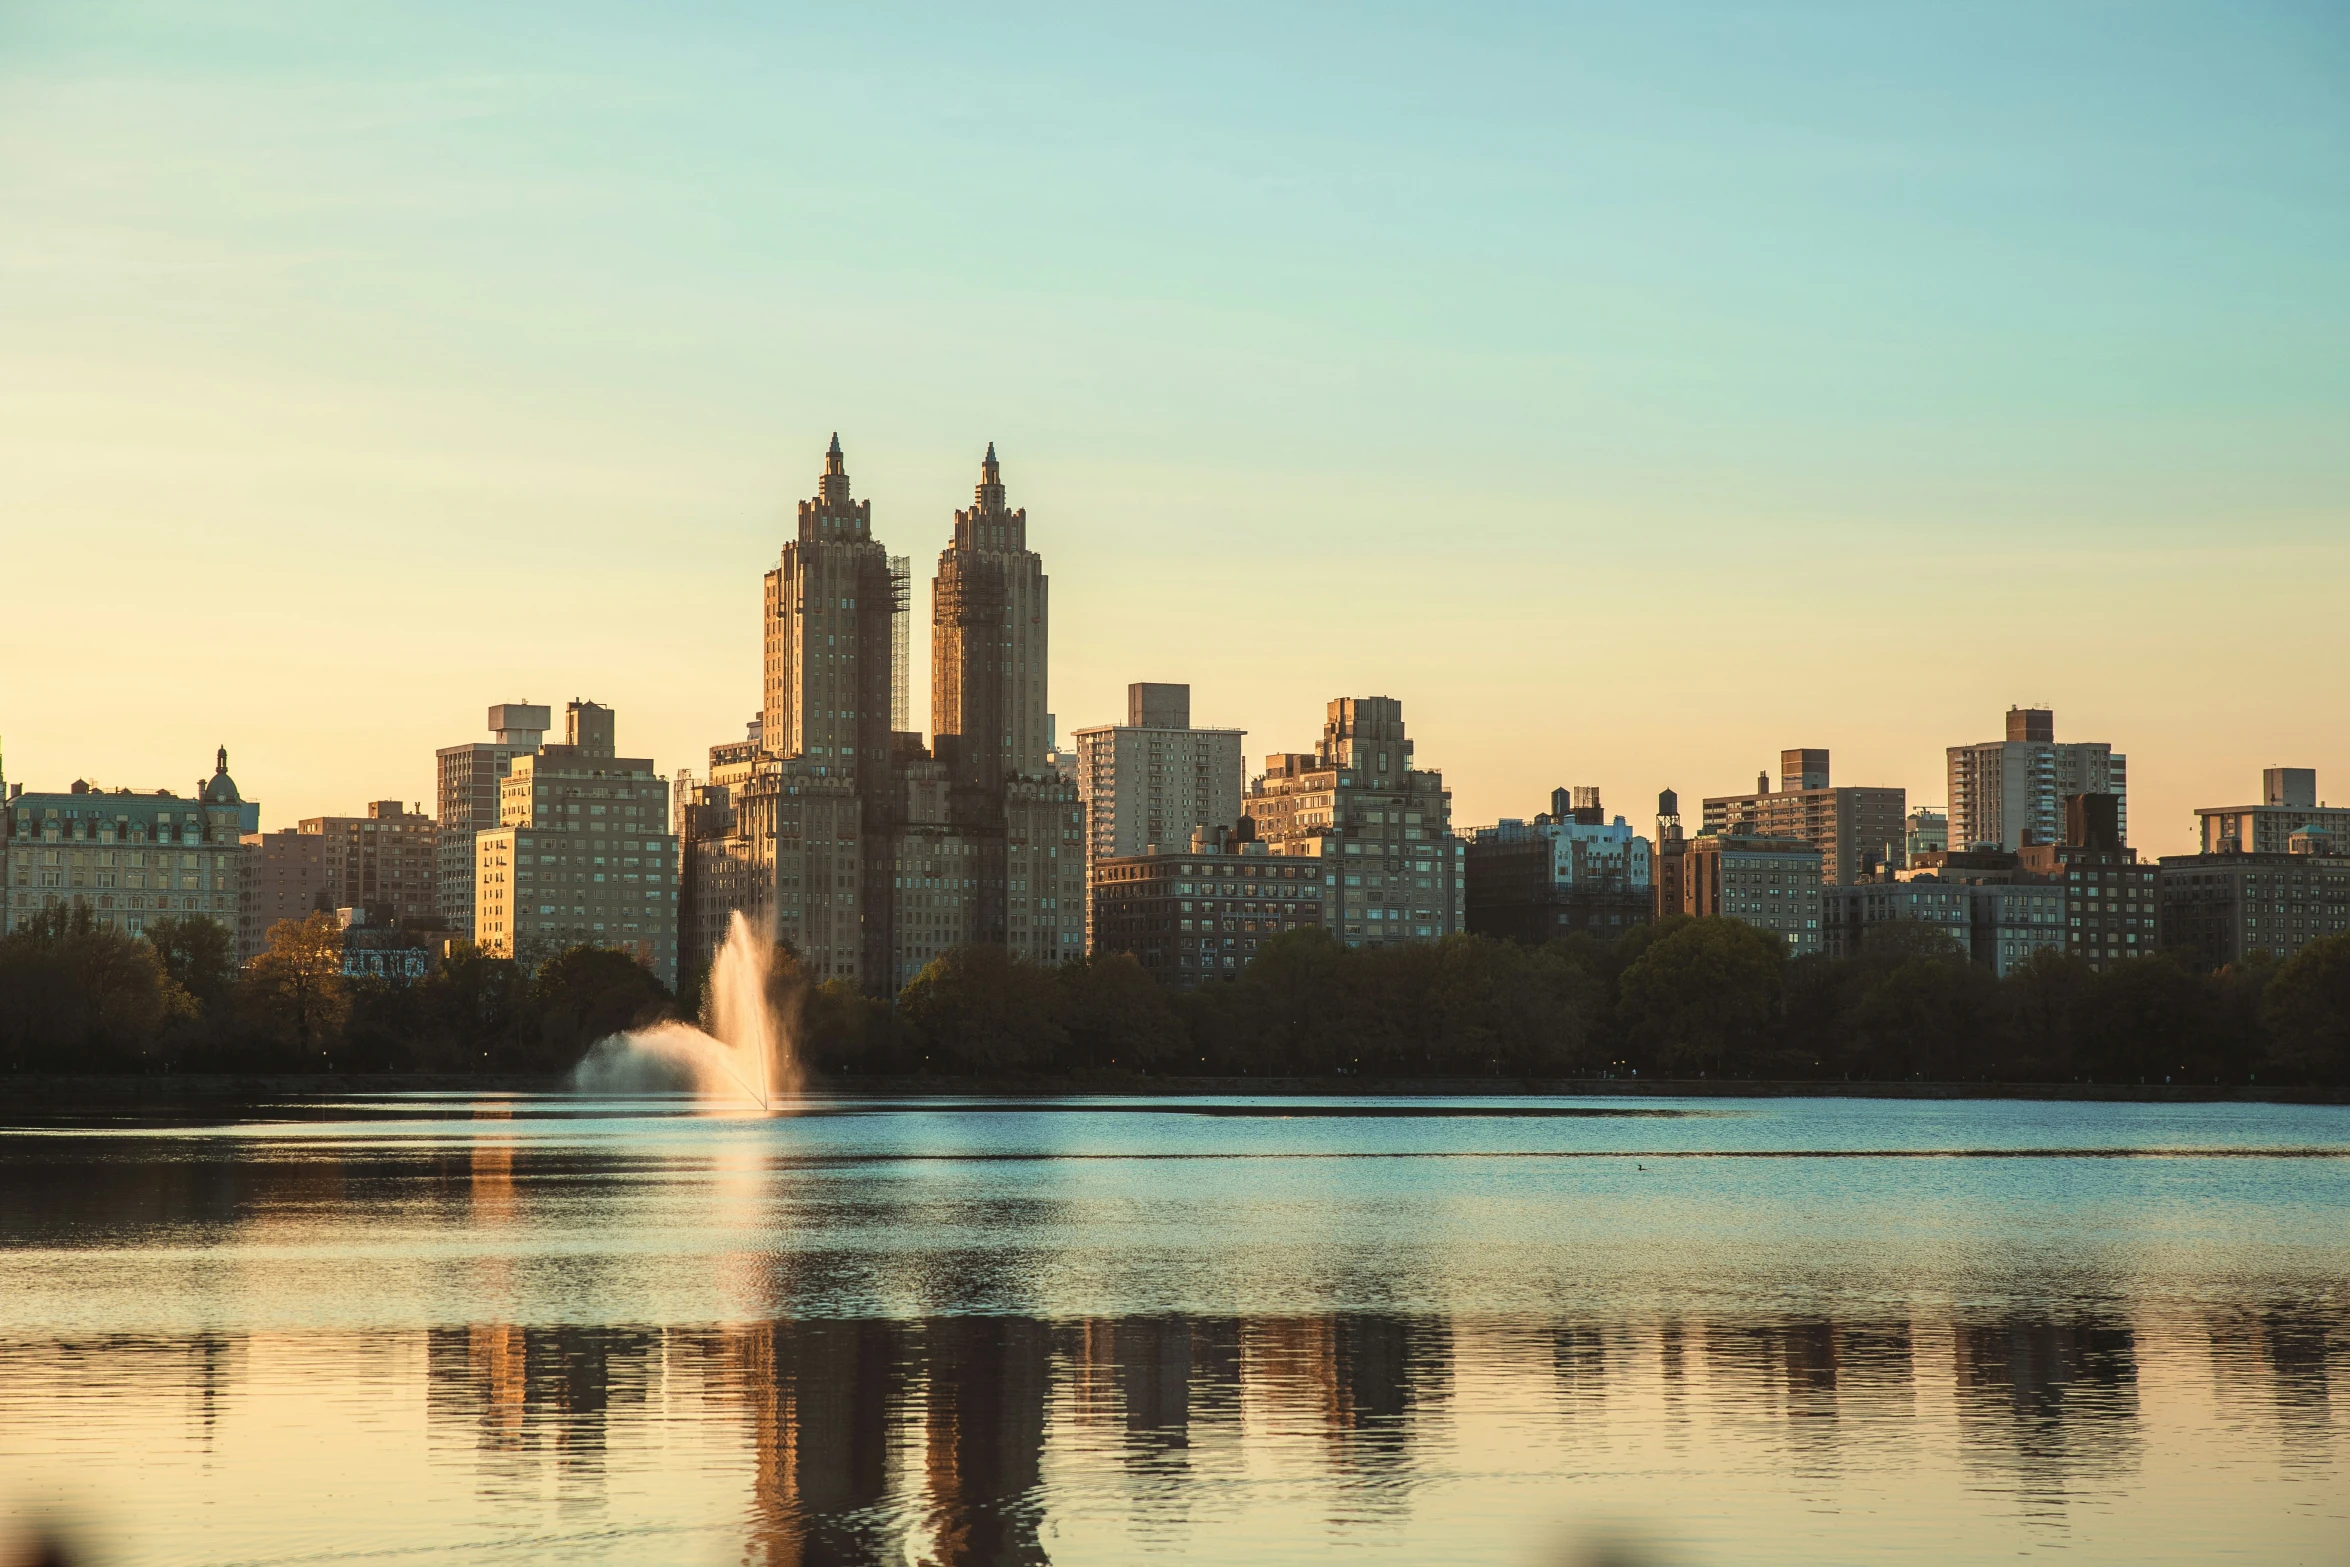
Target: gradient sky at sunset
x,y
1633,391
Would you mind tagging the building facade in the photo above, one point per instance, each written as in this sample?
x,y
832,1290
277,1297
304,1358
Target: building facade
x,y
1154,778
1999,924
385,864
285,879
1383,826
1569,869
1772,884
1925,830
1856,830
130,857
2288,804
2225,907
582,853
2112,903
1147,783
2005,794
1199,913
466,799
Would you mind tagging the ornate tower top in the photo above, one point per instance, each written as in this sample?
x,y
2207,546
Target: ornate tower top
x,y
989,525
990,491
834,486
832,515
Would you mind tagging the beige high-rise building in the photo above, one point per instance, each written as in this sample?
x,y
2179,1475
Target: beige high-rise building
x,y
1154,778
1392,869
582,853
467,799
1147,783
2005,794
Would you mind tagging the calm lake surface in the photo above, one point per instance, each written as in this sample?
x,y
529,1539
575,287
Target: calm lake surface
x,y
429,1329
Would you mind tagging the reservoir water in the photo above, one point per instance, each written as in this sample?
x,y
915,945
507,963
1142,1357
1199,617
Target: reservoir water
x,y
501,1330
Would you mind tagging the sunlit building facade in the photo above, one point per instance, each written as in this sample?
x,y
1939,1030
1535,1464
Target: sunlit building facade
x,y
1382,827
130,856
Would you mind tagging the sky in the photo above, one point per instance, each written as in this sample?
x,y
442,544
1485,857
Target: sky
x,y
1633,391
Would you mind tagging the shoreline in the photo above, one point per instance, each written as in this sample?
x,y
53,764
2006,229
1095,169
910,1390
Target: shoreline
x,y
53,1091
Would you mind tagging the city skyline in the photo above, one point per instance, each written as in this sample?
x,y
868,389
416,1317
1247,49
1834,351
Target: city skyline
x,y
2153,833
1831,380
2151,830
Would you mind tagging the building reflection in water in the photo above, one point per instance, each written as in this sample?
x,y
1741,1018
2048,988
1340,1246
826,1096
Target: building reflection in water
x,y
2278,1361
539,1399
823,1401
935,1440
2054,1404
490,1189
983,1428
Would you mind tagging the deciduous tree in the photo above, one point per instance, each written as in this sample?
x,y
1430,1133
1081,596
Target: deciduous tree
x,y
295,989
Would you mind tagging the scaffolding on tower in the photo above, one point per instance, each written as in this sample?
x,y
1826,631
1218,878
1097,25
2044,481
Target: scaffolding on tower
x,y
901,596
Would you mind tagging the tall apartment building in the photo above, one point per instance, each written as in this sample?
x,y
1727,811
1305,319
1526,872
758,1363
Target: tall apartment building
x,y
1772,884
2226,906
1382,827
1147,783
1154,778
1198,912
989,628
2288,804
1569,869
992,732
466,799
2008,793
130,856
862,850
1855,829
383,863
582,852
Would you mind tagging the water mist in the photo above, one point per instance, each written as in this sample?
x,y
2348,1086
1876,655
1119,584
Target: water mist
x,y
744,1053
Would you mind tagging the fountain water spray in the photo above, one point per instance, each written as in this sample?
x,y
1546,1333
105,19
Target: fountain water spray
x,y
745,1053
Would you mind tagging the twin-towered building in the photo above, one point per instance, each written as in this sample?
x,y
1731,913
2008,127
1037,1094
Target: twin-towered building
x,y
834,827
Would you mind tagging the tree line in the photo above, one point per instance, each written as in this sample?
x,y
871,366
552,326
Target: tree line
x,y
1680,998
78,997
1683,997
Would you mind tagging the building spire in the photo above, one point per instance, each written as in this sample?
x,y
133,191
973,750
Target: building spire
x,y
834,486
990,491
220,761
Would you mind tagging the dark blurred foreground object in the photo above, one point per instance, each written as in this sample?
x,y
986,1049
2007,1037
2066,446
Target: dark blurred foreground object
x,y
42,1549
1611,1547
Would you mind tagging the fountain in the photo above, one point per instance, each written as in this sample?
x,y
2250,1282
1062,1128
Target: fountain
x,y
744,1053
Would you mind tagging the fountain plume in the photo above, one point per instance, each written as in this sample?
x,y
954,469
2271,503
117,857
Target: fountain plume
x,y
742,1051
